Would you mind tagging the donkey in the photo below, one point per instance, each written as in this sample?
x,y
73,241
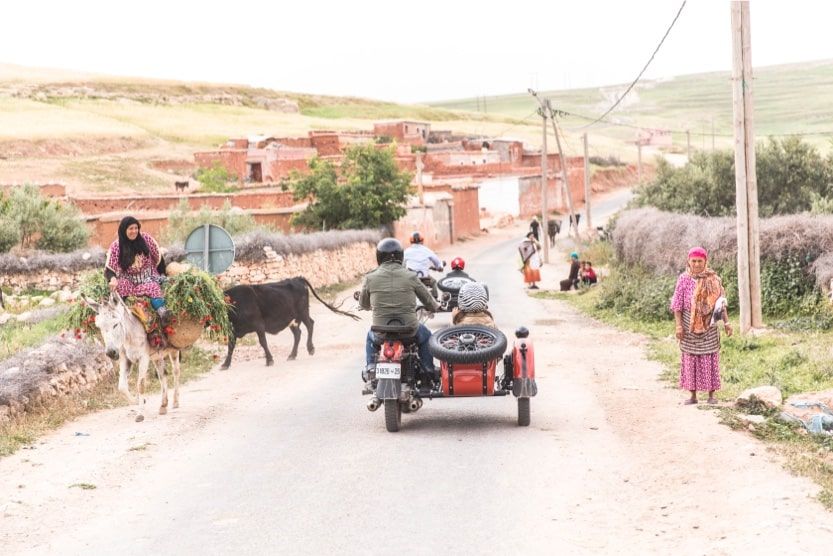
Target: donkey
x,y
125,340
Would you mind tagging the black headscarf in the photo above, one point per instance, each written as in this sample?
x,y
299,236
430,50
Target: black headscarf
x,y
129,249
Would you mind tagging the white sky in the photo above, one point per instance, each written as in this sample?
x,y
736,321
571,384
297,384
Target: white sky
x,y
403,51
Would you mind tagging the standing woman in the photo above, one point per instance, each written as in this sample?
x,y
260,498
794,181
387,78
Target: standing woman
x,y
695,297
134,265
531,260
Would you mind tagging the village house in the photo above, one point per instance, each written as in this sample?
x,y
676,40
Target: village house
x,y
403,131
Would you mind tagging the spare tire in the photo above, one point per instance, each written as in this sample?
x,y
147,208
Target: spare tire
x,y
467,343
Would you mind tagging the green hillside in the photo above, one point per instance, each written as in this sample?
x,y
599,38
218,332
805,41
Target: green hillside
x,y
793,98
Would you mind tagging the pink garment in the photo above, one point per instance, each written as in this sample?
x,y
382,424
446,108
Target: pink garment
x,y
141,279
700,372
698,252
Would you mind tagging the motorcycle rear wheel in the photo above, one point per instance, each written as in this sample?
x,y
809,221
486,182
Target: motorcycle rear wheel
x,y
523,412
393,415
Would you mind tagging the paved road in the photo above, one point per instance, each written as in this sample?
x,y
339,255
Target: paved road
x,y
287,460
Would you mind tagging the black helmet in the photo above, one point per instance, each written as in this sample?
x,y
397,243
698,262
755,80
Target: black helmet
x,y
416,237
389,249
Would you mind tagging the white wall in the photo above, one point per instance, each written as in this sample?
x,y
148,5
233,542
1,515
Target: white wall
x,y
500,195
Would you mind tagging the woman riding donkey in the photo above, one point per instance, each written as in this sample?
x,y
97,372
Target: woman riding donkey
x,y
134,267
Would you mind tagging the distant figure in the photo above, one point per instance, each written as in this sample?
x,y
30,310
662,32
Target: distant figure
x,y
575,219
553,229
573,279
530,260
181,185
533,227
587,274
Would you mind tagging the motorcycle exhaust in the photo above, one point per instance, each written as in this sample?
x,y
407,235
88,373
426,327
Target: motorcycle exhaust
x,y
374,404
414,404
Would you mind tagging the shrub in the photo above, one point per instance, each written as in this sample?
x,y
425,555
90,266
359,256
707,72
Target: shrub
x,y
367,191
215,179
182,221
638,293
62,229
605,161
43,223
9,234
792,177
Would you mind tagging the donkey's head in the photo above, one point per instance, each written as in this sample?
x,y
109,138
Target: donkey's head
x,y
111,319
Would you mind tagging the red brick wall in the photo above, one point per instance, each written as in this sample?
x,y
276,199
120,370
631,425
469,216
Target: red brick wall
x,y
246,200
104,230
393,130
529,192
326,145
233,160
466,210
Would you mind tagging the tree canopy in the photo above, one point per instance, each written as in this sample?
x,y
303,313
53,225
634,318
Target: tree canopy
x,y
368,190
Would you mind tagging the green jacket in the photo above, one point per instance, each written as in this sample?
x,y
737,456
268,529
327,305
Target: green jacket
x,y
391,291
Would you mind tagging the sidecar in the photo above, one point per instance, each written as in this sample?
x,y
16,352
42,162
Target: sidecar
x,y
469,357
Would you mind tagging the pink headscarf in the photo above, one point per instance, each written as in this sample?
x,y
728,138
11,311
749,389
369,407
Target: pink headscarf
x,y
698,252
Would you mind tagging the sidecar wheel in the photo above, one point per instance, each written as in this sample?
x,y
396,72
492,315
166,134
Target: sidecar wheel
x,y
523,412
467,343
393,415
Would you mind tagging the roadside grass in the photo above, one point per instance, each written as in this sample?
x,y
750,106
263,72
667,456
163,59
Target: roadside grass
x,y
104,395
16,336
793,361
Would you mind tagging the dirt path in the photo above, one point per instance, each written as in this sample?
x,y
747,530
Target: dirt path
x,y
287,460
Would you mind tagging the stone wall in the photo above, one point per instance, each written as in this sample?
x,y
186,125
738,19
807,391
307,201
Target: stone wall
x,y
321,268
60,367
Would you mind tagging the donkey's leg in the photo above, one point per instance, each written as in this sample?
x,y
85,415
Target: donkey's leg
x,y
175,363
141,379
163,383
295,328
124,367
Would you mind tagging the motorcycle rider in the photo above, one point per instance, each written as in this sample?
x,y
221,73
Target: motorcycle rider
x,y
391,291
421,259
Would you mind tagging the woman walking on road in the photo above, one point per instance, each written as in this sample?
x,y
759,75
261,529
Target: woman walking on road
x,y
698,302
531,260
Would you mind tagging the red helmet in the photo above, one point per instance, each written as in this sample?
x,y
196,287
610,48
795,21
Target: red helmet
x,y
416,237
458,264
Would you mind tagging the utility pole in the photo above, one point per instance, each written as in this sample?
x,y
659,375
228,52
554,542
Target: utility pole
x,y
563,161
420,165
544,166
587,186
688,145
746,186
639,161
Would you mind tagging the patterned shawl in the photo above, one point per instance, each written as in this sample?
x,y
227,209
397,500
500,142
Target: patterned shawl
x,y
706,291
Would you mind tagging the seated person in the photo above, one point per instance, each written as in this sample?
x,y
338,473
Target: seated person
x,y
572,280
588,275
472,306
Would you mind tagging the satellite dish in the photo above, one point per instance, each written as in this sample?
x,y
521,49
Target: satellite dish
x,y
210,248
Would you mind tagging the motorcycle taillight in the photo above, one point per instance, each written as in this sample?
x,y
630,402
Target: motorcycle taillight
x,y
389,352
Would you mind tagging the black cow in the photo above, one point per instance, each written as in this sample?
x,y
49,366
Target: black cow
x,y
271,308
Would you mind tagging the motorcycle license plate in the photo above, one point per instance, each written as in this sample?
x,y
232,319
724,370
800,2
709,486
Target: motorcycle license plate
x,y
388,370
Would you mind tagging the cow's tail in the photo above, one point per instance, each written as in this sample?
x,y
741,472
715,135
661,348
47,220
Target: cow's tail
x,y
330,307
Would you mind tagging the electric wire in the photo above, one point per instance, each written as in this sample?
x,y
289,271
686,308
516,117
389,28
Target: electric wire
x,y
631,86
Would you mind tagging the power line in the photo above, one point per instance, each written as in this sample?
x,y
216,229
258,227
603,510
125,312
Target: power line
x,y
631,86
